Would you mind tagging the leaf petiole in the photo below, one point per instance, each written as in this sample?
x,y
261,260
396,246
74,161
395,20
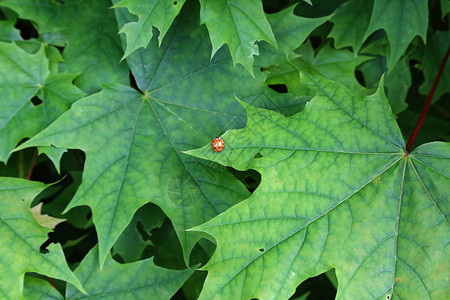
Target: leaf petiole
x,y
427,103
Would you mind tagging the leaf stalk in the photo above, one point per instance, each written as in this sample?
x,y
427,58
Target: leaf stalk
x,y
33,162
427,103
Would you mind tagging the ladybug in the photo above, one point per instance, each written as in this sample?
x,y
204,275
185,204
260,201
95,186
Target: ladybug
x,y
217,144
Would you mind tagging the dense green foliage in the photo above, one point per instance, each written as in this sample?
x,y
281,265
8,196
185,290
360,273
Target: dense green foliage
x,y
108,110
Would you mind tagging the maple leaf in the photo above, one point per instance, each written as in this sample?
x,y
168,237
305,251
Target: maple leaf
x,y
135,157
351,21
158,13
119,281
391,16
332,63
7,30
290,31
337,191
397,81
239,24
92,46
22,237
23,76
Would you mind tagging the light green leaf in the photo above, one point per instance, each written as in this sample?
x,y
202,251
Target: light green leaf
x,y
402,21
22,76
54,154
157,13
351,21
239,24
139,280
337,191
21,239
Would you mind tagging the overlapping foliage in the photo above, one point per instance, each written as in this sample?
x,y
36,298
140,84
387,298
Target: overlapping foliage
x,y
314,177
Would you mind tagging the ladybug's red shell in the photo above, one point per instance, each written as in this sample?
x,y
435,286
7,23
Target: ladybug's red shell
x,y
217,144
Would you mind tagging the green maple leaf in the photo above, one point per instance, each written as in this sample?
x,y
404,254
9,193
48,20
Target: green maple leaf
x,y
92,46
392,17
157,13
397,81
332,63
290,31
22,76
7,30
138,280
46,15
135,156
21,239
239,24
337,191
351,21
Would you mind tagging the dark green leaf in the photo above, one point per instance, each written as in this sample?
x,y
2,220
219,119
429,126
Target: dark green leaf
x,y
402,21
351,21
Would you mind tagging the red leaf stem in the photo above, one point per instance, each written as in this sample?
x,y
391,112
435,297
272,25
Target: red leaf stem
x,y
427,103
33,162
50,280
